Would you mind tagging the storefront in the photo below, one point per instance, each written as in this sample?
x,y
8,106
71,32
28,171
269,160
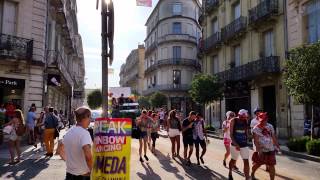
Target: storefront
x,y
12,90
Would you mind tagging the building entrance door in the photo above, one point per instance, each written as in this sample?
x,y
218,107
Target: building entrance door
x,y
269,104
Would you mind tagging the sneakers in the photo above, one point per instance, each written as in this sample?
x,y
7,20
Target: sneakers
x,y
224,163
146,157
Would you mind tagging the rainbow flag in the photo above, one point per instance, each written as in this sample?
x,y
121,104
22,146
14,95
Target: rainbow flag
x,y
146,3
112,148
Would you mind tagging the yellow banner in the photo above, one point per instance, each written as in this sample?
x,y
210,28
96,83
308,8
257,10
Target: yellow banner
x,y
112,149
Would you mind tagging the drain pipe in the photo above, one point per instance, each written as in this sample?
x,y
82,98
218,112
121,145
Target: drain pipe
x,y
286,39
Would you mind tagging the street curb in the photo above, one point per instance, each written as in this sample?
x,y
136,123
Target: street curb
x,y
285,152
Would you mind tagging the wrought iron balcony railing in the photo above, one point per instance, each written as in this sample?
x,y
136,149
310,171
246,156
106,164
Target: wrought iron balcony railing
x,y
251,70
56,60
234,29
151,48
173,62
167,88
214,41
263,11
212,5
12,47
177,37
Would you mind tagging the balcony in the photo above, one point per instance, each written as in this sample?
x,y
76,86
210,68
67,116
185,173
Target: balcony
x,y
264,11
12,47
173,62
211,5
56,60
235,29
167,88
212,42
251,70
177,37
151,48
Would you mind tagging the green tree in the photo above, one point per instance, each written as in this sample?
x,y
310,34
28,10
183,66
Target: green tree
x,y
95,99
302,76
144,102
205,89
158,100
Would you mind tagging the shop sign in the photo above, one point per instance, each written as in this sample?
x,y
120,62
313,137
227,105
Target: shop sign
x,y
54,80
112,148
12,83
77,94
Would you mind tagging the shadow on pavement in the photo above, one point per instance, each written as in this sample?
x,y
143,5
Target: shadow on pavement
x,y
149,173
25,169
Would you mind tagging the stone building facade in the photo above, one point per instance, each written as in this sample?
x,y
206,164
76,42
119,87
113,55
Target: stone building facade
x,y
171,51
244,45
132,71
30,31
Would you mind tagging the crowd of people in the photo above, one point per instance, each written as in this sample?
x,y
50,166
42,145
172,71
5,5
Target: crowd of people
x,y
236,129
40,128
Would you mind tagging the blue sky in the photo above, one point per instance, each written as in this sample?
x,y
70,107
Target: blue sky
x,y
129,32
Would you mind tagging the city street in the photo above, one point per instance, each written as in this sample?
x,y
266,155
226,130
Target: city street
x,y
36,166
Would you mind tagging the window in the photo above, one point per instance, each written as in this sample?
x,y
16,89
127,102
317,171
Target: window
x,y
313,13
215,62
176,28
268,43
214,26
236,10
176,77
177,9
176,52
236,55
8,13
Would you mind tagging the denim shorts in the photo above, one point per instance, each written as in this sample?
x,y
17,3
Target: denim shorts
x,y
143,134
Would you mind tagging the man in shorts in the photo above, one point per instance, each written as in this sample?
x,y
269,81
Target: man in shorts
x,y
199,138
239,145
187,133
266,146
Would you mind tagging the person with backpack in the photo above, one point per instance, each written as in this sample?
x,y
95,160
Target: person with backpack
x,y
51,124
199,137
13,131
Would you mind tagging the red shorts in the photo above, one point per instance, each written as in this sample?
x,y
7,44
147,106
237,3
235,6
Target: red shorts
x,y
227,141
267,158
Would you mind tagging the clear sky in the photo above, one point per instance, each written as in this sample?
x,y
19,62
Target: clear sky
x,y
129,32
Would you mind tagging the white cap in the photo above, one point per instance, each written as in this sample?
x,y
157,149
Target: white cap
x,y
228,114
243,112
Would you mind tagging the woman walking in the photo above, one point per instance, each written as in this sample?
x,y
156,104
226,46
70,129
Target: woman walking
x,y
39,129
12,135
143,123
174,128
226,135
155,127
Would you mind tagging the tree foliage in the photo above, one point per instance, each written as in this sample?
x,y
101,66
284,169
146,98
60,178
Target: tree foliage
x,y
95,99
144,102
158,100
205,88
302,76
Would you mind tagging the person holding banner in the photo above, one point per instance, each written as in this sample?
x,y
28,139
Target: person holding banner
x,y
77,147
143,124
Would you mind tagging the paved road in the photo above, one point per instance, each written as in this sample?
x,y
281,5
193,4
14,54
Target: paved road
x,y
36,166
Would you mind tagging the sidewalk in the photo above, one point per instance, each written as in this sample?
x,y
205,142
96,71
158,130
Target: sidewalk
x,y
283,146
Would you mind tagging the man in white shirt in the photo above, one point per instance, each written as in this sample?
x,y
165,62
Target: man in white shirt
x,y
77,146
255,122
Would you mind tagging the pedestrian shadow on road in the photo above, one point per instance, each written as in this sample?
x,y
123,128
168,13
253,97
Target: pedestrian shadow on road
x,y
199,172
166,163
26,169
149,173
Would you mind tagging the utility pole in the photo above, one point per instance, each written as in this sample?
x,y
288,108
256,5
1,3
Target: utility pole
x,y
107,32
